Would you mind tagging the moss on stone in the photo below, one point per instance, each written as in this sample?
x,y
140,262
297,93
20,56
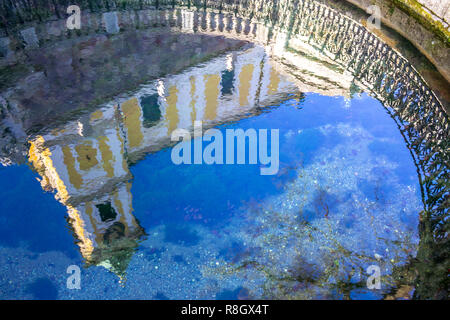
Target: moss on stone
x,y
417,11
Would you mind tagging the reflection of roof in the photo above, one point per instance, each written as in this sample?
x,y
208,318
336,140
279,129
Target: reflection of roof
x,y
117,249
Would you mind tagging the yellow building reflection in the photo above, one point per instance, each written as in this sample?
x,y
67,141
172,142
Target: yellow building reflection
x,y
90,176
85,162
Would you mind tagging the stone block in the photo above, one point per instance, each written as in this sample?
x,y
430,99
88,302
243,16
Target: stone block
x,y
111,22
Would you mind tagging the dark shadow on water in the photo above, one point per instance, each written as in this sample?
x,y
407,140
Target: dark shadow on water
x,y
160,296
237,294
181,235
43,289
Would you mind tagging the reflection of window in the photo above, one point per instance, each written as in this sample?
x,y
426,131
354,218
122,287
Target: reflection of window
x,y
87,155
107,212
227,82
150,109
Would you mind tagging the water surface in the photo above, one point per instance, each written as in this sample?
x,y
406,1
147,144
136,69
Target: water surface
x,y
95,186
346,196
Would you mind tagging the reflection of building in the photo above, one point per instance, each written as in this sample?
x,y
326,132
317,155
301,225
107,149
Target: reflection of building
x,y
89,175
226,88
86,161
310,68
196,36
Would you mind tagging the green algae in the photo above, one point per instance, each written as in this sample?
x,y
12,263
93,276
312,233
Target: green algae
x,y
419,13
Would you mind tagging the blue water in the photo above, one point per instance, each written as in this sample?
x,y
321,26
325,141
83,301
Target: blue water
x,y
346,193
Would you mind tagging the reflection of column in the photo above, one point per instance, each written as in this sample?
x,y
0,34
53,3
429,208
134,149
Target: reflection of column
x,y
84,228
165,16
187,20
219,22
107,156
211,21
171,110
200,98
270,80
261,32
280,44
247,27
75,177
274,81
234,26
119,149
229,24
123,200
183,105
245,79
238,25
193,96
212,90
132,118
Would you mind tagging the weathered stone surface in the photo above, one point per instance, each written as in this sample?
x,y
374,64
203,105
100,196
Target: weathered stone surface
x,y
30,38
55,28
441,8
111,22
5,50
